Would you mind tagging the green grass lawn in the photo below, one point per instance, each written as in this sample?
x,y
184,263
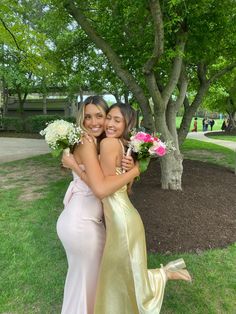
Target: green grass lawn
x,y
216,127
224,137
208,152
33,263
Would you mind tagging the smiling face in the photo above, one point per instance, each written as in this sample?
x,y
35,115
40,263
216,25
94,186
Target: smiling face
x,y
115,123
94,119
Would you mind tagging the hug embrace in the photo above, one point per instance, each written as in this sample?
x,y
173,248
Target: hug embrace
x,y
101,231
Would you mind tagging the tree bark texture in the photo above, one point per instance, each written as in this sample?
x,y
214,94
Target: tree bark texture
x,y
44,104
171,170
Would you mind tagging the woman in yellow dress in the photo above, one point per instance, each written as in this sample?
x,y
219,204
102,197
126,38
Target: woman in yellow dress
x,y
125,285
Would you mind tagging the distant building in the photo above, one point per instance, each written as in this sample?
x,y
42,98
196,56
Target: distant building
x,y
56,104
35,106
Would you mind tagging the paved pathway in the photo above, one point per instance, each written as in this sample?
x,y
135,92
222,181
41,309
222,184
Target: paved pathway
x,y
201,137
19,148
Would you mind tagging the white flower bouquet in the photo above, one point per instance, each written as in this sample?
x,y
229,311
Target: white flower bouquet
x,y
61,135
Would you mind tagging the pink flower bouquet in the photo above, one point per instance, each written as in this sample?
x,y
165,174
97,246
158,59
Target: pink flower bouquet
x,y
146,146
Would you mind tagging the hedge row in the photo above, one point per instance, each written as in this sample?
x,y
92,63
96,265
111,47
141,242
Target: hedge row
x,y
31,124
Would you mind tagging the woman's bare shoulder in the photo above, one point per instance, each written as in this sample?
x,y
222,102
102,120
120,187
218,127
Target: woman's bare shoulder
x,y
109,141
86,144
110,146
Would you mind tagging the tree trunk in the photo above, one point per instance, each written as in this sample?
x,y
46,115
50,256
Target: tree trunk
x,y
5,97
171,171
147,117
21,105
126,97
81,96
171,163
232,122
171,122
21,102
74,106
21,108
44,104
117,97
234,119
190,111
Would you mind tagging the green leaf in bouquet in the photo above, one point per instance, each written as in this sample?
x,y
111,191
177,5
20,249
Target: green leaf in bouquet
x,y
63,143
144,151
56,152
143,164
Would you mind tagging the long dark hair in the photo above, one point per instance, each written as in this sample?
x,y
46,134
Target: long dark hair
x,y
129,116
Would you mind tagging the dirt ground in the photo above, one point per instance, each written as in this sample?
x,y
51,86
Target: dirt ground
x,y
200,217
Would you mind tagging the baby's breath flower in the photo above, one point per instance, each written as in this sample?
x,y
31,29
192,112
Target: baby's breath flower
x,y
60,135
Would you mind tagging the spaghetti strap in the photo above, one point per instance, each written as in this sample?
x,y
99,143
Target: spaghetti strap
x,y
122,145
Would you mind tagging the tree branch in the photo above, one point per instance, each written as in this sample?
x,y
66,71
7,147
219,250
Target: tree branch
x,y
114,59
201,72
222,72
154,90
190,110
186,103
158,36
12,35
175,73
183,84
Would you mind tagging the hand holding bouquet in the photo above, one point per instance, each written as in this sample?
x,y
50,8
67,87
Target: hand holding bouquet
x,y
146,146
61,135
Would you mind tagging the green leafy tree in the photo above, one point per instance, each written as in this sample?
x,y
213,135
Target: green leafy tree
x,y
161,51
24,62
158,48
222,98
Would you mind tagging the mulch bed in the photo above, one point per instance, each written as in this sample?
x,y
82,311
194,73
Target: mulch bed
x,y
201,216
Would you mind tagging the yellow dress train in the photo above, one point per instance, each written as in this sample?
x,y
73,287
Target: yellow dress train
x,y
125,285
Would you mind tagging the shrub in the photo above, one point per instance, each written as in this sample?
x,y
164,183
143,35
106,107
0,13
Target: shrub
x,y
13,124
34,124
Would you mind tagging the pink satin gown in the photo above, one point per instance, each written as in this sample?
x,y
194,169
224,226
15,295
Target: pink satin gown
x,y
82,233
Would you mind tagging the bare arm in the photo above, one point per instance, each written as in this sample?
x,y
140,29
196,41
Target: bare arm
x,y
103,184
127,163
69,161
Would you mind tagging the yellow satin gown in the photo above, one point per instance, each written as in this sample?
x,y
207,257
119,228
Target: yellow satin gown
x,y
125,285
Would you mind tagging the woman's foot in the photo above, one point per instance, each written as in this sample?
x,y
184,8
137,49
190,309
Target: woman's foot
x,y
182,274
175,270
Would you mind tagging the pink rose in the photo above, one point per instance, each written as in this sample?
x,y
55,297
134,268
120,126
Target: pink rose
x,y
140,136
160,150
148,138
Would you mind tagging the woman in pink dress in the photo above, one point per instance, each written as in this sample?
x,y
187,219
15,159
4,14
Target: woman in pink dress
x,y
80,226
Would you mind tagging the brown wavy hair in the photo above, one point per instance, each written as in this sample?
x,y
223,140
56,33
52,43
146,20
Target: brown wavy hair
x,y
129,116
